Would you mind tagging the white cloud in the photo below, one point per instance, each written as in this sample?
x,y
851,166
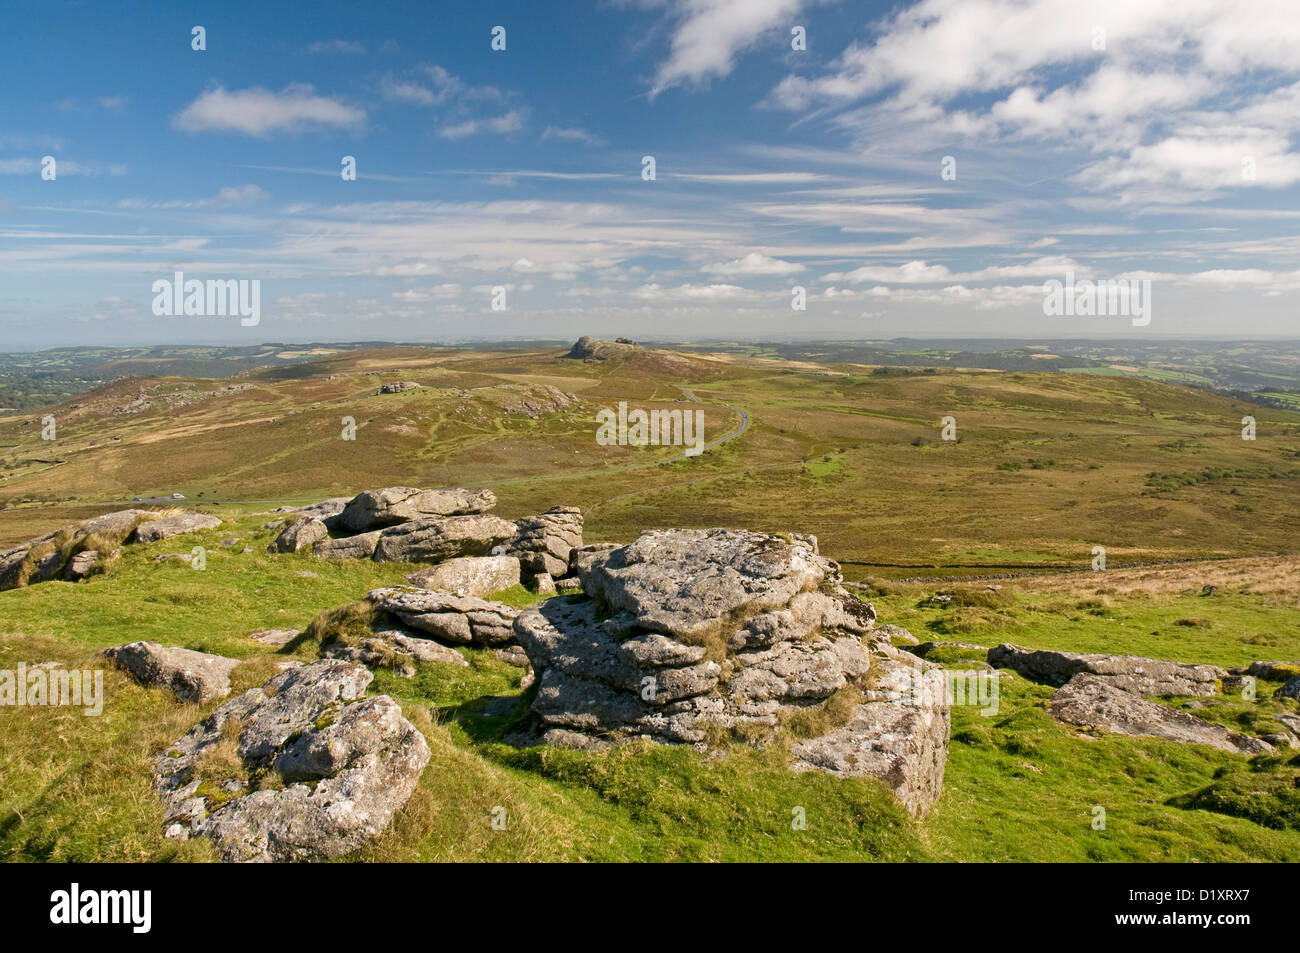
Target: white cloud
x,y
1150,104
510,122
336,46
710,33
260,112
754,264
88,167
571,134
689,292
442,291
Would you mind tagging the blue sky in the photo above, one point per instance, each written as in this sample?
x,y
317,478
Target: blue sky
x,y
1134,139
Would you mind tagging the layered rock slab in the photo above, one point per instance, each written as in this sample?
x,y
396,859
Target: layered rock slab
x,y
544,543
455,620
177,525
1090,701
1131,673
388,506
476,576
339,768
436,540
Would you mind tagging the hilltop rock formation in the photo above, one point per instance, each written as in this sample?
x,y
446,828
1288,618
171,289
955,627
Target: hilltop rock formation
x,y
302,769
543,544
1131,673
587,348
1092,701
79,550
688,633
192,676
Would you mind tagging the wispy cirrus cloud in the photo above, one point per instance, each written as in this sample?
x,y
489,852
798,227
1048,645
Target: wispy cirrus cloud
x,y
350,47
571,134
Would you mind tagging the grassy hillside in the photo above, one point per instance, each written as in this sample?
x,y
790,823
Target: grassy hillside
x,y
1018,785
1045,466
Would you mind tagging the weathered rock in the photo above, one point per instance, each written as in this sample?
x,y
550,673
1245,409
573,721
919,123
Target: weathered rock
x,y
81,565
46,568
436,540
299,535
361,546
398,387
373,509
894,635
569,584
1290,690
688,632
1132,673
118,522
396,649
900,737
543,584
11,564
458,620
191,676
277,637
513,655
544,543
1269,671
348,764
176,525
1091,701
470,575
580,560
685,583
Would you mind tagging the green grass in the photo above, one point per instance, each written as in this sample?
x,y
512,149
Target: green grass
x,y
1048,466
1018,786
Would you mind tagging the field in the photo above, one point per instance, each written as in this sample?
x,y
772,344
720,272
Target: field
x,y
1046,466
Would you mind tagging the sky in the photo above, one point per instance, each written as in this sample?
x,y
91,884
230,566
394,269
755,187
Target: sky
x,y
919,169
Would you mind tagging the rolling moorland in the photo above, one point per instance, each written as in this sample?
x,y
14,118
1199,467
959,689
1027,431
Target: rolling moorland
x,y
1046,466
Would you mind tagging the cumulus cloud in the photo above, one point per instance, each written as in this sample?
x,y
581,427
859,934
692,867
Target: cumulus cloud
x,y
259,112
754,264
1144,94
